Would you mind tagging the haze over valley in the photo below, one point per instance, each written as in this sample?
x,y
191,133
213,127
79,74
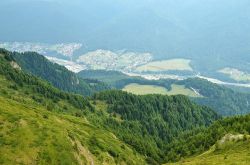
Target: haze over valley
x,y
212,35
144,64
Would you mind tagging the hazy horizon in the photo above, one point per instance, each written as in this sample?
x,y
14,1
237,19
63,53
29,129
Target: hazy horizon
x,y
208,32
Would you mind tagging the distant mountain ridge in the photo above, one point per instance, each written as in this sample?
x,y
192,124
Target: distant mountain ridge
x,y
59,76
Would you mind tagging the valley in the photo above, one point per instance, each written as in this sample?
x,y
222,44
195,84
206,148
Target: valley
x,y
124,82
224,100
131,63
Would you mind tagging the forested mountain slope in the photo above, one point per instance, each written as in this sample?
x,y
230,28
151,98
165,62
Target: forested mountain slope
x,y
150,123
56,74
112,127
222,99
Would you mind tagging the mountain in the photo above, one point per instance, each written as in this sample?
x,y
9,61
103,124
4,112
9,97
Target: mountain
x,y
57,75
112,126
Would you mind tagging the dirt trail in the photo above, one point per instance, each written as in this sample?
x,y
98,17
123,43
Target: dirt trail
x,y
231,137
81,151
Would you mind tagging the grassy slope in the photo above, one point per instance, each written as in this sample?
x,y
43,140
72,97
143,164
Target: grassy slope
x,y
30,134
232,152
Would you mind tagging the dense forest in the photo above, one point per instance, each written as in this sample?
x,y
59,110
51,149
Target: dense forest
x,y
156,119
224,100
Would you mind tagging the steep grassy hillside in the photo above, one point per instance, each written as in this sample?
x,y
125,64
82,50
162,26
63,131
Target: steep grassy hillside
x,y
30,134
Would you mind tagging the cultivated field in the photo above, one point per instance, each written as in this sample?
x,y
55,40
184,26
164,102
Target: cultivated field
x,y
153,89
236,74
165,65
